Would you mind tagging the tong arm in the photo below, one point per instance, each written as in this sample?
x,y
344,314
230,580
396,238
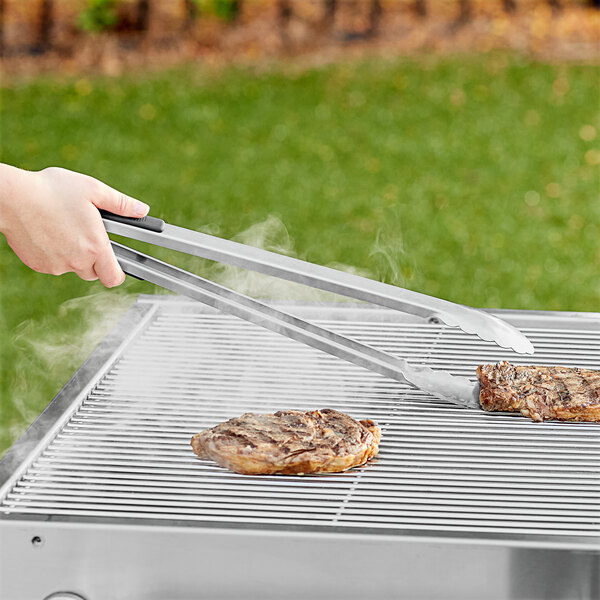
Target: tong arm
x,y
470,320
456,389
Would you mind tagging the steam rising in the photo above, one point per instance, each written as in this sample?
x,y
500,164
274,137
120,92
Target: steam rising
x,y
272,235
394,264
52,348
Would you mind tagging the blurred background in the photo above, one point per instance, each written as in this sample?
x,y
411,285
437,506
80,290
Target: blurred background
x,y
447,146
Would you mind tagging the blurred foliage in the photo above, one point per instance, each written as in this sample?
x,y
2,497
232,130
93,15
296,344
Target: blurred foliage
x,y
227,10
39,36
101,15
98,15
471,178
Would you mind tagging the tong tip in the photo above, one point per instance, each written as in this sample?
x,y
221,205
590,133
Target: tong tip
x,y
490,329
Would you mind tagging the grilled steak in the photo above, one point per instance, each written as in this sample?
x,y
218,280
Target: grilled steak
x,y
289,442
542,393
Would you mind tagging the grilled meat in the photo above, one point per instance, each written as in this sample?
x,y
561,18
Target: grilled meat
x,y
542,393
289,442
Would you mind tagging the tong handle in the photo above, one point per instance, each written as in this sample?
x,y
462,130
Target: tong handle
x,y
147,222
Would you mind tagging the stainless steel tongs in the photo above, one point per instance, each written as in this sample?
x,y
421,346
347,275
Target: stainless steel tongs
x,y
458,390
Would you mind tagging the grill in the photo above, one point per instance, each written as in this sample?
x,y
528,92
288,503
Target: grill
x,y
494,504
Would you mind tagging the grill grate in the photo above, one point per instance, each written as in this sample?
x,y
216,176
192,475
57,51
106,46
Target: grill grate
x,y
124,453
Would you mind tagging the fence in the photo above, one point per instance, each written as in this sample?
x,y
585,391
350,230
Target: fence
x,y
38,26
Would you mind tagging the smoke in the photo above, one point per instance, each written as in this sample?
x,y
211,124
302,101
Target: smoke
x,y
392,262
272,235
90,317
52,348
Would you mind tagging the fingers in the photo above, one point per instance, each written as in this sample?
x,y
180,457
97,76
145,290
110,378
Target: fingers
x,y
54,225
107,268
118,203
87,274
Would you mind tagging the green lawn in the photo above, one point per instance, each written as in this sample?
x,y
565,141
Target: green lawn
x,y
472,178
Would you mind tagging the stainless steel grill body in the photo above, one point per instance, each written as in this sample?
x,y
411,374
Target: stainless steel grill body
x,y
459,504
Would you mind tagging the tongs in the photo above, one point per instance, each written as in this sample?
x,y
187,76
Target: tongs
x,y
458,390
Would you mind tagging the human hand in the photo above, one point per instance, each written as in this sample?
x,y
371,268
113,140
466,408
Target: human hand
x,y
50,219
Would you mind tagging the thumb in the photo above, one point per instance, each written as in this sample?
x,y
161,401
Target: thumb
x,y
120,204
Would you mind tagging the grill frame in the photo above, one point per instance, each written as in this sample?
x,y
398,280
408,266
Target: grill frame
x,y
182,558
60,410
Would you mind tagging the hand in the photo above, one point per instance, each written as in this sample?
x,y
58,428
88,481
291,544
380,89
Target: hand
x,y
51,221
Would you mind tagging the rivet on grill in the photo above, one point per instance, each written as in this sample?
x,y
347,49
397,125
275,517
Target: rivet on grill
x,y
433,321
37,541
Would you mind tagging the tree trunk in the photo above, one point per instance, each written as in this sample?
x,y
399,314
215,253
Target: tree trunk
x,y
236,10
1,27
555,5
374,18
44,30
191,13
420,8
142,15
284,14
284,11
328,18
464,12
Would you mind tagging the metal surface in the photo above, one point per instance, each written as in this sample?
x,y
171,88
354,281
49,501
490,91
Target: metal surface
x,y
470,320
141,562
125,451
459,504
458,390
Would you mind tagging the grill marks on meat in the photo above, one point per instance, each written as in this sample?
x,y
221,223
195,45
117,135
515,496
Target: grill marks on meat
x,y
542,393
289,442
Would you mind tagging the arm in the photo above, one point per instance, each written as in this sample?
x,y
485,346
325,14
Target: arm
x,y
50,219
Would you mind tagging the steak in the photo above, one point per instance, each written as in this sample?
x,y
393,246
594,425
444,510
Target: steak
x,y
289,442
542,393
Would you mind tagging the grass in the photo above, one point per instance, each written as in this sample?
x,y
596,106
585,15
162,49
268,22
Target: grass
x,y
472,178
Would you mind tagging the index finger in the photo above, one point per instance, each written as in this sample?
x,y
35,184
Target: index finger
x,y
107,268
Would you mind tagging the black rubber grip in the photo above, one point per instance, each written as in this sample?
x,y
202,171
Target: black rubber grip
x,y
147,222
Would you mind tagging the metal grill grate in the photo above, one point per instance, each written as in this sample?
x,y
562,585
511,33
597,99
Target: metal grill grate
x,y
124,453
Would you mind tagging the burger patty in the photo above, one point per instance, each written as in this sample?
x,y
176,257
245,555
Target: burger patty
x,y
542,393
289,442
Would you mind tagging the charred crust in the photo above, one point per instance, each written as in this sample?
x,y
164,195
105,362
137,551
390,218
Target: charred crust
x,y
290,442
541,393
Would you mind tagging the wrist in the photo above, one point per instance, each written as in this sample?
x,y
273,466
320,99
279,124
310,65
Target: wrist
x,y
16,186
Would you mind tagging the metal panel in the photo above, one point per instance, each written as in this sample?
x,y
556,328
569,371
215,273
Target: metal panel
x,y
442,472
142,562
